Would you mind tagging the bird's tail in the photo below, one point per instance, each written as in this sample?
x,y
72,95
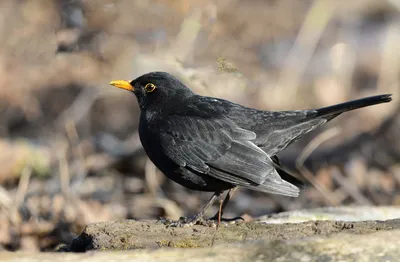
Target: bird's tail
x,y
335,110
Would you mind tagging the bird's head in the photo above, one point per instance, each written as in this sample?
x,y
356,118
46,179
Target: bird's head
x,y
155,90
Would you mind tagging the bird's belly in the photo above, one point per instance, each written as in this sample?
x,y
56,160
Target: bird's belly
x,y
183,176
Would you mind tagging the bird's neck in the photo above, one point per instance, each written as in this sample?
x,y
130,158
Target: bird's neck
x,y
148,115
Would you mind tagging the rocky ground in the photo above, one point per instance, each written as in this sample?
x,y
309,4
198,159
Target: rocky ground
x,y
127,234
265,240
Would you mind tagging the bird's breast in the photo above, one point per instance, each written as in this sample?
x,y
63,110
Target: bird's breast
x,y
150,139
148,135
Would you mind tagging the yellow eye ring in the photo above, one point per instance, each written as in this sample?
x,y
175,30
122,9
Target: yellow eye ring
x,y
150,87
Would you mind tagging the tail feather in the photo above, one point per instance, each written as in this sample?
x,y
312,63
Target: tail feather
x,y
336,110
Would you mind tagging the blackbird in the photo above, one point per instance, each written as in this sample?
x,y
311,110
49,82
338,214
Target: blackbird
x,y
210,144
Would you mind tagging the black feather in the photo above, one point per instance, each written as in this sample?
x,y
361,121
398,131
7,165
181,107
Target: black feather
x,y
336,110
285,175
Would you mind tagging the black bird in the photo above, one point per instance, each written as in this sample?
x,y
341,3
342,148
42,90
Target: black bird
x,y
211,144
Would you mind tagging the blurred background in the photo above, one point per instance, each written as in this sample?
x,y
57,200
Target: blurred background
x,y
69,148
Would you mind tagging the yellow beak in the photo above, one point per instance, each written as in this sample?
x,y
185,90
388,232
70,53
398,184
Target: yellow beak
x,y
122,84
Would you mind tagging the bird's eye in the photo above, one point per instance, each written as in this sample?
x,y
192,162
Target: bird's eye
x,y
150,87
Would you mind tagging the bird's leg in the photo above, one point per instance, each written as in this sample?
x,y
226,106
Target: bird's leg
x,y
205,207
225,203
218,215
221,203
183,222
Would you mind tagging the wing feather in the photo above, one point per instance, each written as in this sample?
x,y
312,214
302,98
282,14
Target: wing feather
x,y
207,145
279,139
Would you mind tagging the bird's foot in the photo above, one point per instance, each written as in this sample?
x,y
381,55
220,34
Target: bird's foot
x,y
213,221
209,222
181,222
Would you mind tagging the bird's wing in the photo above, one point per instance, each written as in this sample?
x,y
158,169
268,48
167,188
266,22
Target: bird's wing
x,y
217,147
279,138
276,129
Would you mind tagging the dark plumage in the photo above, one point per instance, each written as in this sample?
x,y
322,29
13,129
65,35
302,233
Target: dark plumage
x,y
211,144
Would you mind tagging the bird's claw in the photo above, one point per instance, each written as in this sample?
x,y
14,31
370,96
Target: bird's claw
x,y
181,222
210,222
232,220
213,221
